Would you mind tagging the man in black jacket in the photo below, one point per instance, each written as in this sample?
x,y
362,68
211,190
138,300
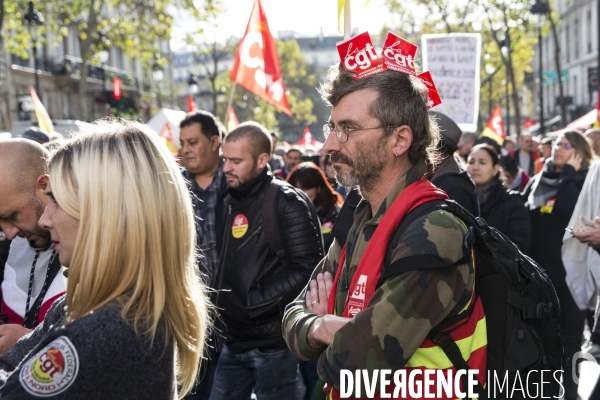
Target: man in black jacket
x,y
450,176
254,282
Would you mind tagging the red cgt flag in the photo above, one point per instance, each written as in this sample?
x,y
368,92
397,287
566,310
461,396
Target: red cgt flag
x,y
495,127
256,64
191,104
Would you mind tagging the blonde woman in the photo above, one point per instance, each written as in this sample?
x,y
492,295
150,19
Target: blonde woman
x,y
121,220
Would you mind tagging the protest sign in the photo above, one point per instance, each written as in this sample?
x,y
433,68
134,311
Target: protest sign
x,y
454,63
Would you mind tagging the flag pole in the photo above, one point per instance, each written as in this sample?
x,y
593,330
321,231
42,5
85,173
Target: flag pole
x,y
347,24
230,102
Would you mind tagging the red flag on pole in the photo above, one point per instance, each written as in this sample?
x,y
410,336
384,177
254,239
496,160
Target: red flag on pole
x,y
191,104
232,121
256,64
44,121
167,136
495,127
307,139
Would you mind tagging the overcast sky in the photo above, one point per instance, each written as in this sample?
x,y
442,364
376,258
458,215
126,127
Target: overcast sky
x,y
306,17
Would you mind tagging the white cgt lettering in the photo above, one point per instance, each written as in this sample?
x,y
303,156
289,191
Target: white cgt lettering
x,y
362,58
401,59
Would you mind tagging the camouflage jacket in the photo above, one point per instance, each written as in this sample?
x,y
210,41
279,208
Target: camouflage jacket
x,y
403,310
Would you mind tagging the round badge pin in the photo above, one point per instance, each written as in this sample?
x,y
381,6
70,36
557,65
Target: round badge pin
x,y
240,226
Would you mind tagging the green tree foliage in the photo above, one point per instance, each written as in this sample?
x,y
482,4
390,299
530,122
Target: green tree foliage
x,y
138,27
300,82
12,35
501,23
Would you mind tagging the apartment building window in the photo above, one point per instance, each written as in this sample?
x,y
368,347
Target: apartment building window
x,y
576,35
588,27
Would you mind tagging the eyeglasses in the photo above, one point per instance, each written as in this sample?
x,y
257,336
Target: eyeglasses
x,y
565,146
342,131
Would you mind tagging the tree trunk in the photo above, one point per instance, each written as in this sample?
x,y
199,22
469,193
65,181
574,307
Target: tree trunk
x,y
510,71
563,106
86,47
513,84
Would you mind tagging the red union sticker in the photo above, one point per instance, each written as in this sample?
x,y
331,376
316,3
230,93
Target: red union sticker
x,y
359,56
399,54
433,98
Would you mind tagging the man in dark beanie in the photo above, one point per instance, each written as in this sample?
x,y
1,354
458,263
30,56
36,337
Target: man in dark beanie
x,y
450,175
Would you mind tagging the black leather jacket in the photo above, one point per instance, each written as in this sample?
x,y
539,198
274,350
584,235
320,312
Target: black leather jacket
x,y
254,287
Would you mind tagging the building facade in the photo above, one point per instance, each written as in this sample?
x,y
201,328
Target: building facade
x,y
59,74
578,40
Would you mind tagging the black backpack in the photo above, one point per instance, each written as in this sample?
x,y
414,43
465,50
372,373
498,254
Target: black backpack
x,y
520,303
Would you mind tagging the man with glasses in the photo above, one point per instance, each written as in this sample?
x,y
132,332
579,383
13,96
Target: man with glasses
x,y
363,315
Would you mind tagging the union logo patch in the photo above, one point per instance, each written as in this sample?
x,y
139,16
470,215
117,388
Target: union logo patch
x,y
52,370
240,226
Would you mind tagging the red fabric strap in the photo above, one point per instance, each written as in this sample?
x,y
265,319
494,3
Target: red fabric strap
x,y
364,281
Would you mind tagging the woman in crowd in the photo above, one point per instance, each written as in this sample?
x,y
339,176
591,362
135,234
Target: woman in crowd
x,y
121,220
512,175
551,196
310,179
501,208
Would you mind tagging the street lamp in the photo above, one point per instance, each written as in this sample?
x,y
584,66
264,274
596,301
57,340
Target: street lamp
x,y
540,8
33,19
158,75
193,85
505,49
103,55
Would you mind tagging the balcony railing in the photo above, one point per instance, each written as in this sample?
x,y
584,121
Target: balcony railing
x,y
69,65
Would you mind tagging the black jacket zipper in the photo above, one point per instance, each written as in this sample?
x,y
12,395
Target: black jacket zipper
x,y
254,234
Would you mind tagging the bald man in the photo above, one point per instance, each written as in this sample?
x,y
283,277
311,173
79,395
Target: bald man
x,y
32,281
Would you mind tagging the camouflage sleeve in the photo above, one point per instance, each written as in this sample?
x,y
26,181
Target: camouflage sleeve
x,y
406,307
298,319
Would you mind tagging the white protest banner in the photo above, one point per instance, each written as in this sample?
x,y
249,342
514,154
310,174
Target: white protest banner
x,y
454,62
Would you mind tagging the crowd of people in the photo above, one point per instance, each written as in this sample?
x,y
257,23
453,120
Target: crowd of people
x,y
243,267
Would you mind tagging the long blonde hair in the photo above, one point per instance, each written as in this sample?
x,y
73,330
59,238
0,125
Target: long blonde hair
x,y
136,238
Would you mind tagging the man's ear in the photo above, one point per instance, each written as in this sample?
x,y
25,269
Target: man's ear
x,y
402,139
215,143
41,183
262,160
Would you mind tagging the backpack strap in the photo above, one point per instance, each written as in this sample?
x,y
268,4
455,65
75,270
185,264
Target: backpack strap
x,y
345,218
397,268
271,221
272,228
450,348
